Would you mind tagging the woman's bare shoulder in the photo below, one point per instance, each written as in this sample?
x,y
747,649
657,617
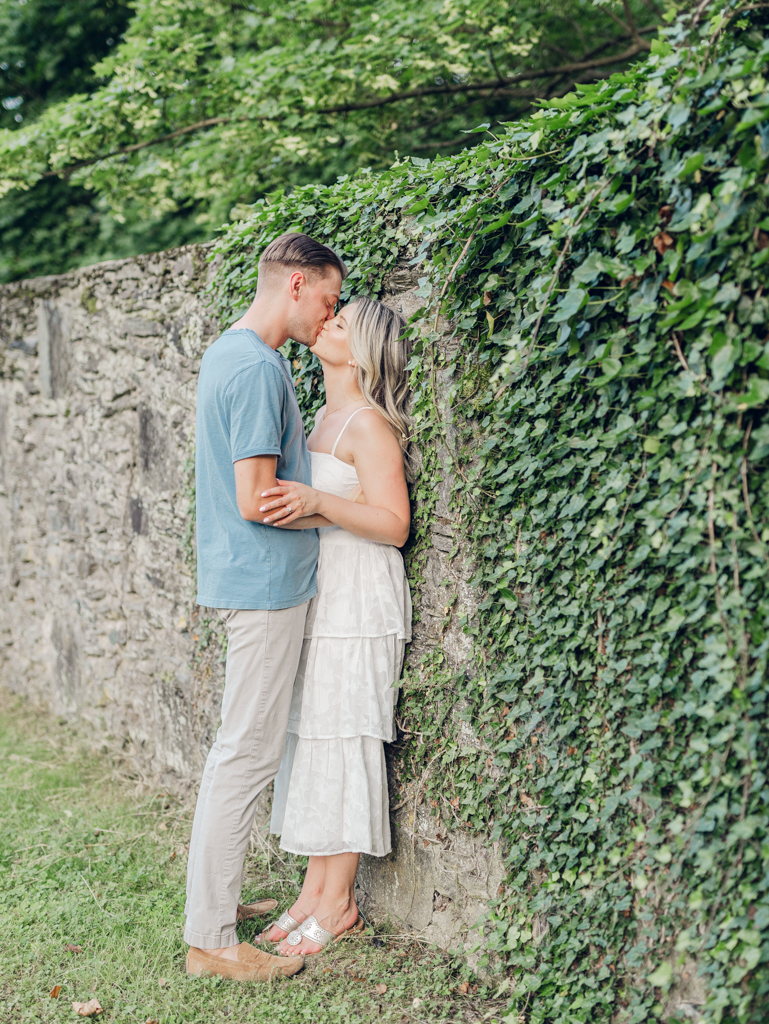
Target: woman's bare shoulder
x,y
370,427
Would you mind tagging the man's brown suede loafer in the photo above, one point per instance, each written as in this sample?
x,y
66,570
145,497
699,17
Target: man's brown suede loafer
x,y
251,965
248,910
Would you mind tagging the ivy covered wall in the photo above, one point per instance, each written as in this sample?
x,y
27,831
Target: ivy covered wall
x,y
599,271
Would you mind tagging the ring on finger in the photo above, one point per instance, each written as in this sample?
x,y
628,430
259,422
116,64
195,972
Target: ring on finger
x,y
288,508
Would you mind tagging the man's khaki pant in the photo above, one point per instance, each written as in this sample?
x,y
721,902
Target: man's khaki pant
x,y
262,658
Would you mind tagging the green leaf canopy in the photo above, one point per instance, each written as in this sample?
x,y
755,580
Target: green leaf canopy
x,y
215,103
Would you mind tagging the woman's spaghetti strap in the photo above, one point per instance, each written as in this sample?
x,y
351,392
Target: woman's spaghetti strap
x,y
333,450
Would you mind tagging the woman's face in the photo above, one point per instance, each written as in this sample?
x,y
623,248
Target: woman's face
x,y
331,345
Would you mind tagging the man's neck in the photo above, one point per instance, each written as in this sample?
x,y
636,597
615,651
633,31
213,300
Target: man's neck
x,y
264,319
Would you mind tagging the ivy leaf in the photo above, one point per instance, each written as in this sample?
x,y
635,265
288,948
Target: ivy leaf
x,y
598,263
729,292
611,367
722,365
647,723
751,117
694,318
662,977
757,394
569,304
694,163
678,115
675,620
760,440
620,202
418,207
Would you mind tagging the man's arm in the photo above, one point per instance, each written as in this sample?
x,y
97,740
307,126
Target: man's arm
x,y
253,403
252,476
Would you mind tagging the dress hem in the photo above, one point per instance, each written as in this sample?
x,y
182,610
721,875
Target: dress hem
x,y
358,636
306,853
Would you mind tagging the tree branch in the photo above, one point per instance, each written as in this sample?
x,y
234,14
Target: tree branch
x,y
494,66
699,11
619,21
523,76
497,86
343,25
441,145
655,8
560,50
208,123
630,20
578,29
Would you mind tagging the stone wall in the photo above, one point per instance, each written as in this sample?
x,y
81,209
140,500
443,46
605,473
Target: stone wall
x,y
98,372
97,394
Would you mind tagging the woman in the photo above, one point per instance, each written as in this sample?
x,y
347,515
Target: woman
x,y
330,799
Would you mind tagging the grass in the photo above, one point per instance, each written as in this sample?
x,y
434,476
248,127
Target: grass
x,y
89,858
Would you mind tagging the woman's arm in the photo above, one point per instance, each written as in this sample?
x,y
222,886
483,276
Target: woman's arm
x,y
385,517
306,523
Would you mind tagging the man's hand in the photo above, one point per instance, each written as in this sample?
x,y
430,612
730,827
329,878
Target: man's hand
x,y
252,477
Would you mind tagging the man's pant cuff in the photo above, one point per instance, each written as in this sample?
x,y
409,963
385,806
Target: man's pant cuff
x,y
218,941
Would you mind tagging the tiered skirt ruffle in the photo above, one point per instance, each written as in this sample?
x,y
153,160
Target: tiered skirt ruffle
x,y
331,789
331,797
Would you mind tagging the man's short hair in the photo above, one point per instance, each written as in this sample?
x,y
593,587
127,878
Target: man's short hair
x,y
295,251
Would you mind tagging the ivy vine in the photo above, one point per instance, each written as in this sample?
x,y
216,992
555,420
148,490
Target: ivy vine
x,y
599,273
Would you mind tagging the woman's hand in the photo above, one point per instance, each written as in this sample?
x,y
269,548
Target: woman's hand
x,y
293,501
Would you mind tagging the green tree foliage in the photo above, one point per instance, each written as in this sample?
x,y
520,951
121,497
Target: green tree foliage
x,y
204,106
48,48
600,269
47,52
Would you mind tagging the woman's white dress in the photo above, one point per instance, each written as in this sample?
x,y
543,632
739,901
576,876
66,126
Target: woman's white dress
x,y
331,788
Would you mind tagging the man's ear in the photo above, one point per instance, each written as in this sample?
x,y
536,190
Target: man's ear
x,y
296,283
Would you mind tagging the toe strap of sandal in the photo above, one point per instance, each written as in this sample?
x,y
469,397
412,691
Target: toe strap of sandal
x,y
312,930
286,923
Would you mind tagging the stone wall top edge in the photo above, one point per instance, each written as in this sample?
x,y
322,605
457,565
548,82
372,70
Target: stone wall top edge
x,y
401,278
55,283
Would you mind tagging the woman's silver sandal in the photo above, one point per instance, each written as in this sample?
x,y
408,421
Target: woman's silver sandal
x,y
285,922
310,929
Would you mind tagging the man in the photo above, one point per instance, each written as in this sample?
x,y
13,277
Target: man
x,y
249,433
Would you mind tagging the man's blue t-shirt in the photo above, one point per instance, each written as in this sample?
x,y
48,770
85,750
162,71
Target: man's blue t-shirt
x,y
247,407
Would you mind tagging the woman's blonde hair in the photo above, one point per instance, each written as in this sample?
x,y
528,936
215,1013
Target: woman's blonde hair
x,y
379,345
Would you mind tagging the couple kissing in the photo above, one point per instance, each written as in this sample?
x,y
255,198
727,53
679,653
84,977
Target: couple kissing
x,y
297,547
